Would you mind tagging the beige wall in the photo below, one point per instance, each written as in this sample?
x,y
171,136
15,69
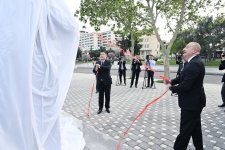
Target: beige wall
x,y
150,45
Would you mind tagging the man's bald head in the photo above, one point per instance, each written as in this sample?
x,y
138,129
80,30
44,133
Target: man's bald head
x,y
196,46
191,49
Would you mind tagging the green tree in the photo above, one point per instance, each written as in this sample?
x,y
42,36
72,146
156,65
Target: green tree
x,y
209,32
94,53
125,44
102,49
175,13
118,14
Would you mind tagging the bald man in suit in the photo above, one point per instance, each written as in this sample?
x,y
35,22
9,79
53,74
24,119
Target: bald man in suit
x,y
191,97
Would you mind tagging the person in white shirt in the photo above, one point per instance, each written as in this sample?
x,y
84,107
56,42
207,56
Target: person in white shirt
x,y
150,63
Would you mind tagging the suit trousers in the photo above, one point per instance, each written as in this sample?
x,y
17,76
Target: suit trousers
x,y
150,75
97,84
122,72
223,93
104,90
135,73
190,126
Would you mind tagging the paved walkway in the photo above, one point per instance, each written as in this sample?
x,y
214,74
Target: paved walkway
x,y
157,128
158,68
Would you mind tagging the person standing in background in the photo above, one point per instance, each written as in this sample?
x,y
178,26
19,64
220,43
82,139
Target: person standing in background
x,y
136,69
150,63
122,69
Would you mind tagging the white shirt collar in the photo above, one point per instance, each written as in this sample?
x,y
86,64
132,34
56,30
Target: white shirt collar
x,y
191,58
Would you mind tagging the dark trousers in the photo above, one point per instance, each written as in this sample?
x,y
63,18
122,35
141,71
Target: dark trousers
x,y
190,126
104,90
122,73
223,93
136,75
150,75
97,84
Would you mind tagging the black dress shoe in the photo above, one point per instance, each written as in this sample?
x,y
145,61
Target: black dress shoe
x,y
107,110
135,86
99,111
223,105
131,86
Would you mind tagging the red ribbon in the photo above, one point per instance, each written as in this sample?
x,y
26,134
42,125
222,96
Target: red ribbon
x,y
149,104
89,103
139,114
92,90
144,109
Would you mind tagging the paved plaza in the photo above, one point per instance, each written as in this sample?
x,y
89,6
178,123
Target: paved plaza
x,y
157,128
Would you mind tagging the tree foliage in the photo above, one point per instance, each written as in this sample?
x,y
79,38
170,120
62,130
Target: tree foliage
x,y
209,32
120,15
125,44
129,15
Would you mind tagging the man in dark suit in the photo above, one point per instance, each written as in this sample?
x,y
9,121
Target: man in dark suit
x,y
102,70
191,97
136,69
222,67
122,69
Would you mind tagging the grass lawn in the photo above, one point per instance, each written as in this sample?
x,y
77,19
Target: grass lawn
x,y
213,63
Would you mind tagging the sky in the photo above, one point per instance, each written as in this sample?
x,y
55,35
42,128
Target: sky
x,y
74,5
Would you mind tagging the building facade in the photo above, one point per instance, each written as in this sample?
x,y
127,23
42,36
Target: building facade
x,y
150,46
95,40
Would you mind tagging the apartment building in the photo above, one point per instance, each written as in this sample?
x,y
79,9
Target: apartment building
x,y
150,46
95,40
92,41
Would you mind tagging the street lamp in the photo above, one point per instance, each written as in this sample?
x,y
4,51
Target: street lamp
x,y
210,49
210,45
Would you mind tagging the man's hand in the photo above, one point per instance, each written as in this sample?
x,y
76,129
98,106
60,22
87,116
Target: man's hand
x,y
167,81
97,66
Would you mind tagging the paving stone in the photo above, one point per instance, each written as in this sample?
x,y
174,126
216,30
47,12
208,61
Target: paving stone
x,y
132,143
144,145
158,126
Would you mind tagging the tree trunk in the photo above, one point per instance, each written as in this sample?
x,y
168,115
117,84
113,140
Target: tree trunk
x,y
132,42
166,62
132,49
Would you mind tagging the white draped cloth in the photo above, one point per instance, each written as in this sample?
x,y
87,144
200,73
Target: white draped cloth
x,y
38,47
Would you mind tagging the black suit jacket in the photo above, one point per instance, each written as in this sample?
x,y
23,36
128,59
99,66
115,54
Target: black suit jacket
x,y
221,67
124,65
103,73
189,85
136,65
